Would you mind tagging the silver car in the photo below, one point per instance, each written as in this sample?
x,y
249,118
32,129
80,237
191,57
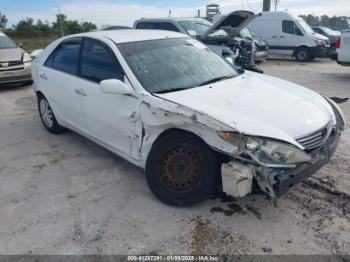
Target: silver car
x,y
15,64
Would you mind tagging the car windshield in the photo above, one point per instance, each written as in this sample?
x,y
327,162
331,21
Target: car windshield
x,y
305,26
6,42
200,27
171,65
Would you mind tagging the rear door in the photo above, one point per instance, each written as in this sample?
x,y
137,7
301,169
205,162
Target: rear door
x,y
59,82
268,28
110,118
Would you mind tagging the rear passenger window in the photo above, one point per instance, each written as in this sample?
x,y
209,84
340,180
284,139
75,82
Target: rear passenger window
x,y
168,27
145,25
65,57
157,26
99,63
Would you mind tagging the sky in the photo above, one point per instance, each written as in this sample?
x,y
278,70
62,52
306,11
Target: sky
x,y
123,12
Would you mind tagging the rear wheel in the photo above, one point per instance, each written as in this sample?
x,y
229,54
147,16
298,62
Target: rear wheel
x,y
48,117
181,170
303,54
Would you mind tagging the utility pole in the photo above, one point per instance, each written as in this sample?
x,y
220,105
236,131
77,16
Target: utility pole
x,y
276,2
266,5
60,18
170,13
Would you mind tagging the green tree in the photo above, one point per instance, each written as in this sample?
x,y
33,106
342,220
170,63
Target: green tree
x,y
43,27
334,22
87,26
3,21
25,25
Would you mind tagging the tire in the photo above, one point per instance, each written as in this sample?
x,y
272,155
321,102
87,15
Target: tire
x,y
303,54
181,170
48,117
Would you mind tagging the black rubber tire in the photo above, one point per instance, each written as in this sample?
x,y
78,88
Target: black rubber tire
x,y
55,128
303,54
209,170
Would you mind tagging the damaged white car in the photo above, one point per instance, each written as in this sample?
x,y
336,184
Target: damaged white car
x,y
193,121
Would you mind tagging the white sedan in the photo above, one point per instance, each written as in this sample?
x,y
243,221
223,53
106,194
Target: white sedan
x,y
193,121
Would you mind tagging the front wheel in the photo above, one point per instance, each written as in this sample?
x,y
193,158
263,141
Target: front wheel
x,y
303,54
181,170
48,117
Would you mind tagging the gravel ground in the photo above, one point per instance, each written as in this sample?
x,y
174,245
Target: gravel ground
x,y
66,195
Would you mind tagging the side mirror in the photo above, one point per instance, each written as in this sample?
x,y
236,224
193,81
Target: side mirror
x,y
20,45
227,53
36,53
115,86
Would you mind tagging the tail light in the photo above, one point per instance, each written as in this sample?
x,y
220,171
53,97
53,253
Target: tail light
x,y
337,43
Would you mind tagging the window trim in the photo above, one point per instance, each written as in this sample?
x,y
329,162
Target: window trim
x,y
54,53
109,50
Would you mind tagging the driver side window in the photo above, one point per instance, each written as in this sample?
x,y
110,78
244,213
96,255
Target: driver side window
x,y
289,27
98,62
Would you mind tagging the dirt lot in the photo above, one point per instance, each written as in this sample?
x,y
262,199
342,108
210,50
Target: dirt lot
x,y
66,195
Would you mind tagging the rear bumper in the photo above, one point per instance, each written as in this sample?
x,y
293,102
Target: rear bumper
x,y
321,158
16,74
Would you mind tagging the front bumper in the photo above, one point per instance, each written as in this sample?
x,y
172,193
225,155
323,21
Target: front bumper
x,y
319,51
16,74
260,55
321,157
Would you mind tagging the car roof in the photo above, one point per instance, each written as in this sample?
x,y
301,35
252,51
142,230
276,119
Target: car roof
x,y
132,35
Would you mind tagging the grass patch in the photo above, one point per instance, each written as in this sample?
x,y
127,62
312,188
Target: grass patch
x,y
32,43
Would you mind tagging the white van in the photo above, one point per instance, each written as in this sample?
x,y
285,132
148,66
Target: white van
x,y
289,35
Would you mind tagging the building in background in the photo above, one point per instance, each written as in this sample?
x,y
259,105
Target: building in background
x,y
212,10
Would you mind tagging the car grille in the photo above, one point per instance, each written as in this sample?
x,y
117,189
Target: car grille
x,y
15,63
11,63
315,139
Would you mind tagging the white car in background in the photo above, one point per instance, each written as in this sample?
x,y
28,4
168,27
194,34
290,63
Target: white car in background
x,y
194,123
342,56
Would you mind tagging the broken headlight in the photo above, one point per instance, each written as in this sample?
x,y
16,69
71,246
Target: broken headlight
x,y
266,151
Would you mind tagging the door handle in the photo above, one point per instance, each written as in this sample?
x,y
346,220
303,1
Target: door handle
x,y
43,76
282,37
80,91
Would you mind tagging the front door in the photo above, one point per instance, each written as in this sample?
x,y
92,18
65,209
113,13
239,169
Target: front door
x,y
110,118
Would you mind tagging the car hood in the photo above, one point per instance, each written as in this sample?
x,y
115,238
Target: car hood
x,y
11,54
232,22
259,105
320,37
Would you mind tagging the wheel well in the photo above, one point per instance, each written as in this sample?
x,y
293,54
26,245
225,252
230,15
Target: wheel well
x,y
39,94
220,156
296,49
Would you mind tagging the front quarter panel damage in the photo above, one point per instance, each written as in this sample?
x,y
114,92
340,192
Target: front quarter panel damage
x,y
159,115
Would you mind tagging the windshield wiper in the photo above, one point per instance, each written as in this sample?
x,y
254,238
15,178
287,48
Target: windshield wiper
x,y
216,79
170,90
